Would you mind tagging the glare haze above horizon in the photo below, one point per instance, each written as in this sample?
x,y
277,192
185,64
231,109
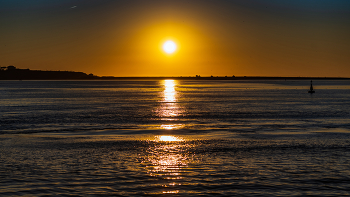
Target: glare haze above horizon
x,y
128,38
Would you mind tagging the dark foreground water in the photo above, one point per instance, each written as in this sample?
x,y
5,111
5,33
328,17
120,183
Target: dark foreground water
x,y
174,138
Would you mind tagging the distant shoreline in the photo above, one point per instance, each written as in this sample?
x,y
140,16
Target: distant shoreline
x,y
176,78
223,78
13,73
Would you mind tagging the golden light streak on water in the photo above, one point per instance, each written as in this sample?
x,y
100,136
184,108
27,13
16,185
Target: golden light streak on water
x,y
169,108
169,138
171,126
168,159
169,92
171,192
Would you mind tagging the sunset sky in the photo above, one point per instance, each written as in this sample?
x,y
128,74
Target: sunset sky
x,y
216,37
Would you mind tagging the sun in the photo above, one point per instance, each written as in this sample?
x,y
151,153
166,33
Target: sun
x,y
169,47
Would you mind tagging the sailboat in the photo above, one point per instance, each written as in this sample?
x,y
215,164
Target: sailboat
x,y
311,88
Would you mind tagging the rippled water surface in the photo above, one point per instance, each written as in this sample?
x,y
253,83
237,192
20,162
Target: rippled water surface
x,y
310,164
174,138
42,106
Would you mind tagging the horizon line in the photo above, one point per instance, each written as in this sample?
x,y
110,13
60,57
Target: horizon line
x,y
13,68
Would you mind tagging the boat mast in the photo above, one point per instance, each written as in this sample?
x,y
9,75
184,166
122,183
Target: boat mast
x,y
311,88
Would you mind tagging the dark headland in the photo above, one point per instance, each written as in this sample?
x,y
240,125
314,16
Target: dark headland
x,y
13,73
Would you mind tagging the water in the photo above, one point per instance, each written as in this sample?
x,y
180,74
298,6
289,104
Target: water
x,y
55,106
182,138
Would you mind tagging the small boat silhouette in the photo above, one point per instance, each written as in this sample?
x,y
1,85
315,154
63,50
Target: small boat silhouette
x,y
311,88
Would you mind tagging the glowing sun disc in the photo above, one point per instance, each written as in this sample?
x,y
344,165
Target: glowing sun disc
x,y
169,47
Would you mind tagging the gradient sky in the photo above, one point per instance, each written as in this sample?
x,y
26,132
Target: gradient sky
x,y
216,37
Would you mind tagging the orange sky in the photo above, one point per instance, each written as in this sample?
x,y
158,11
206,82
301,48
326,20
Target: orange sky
x,y
124,38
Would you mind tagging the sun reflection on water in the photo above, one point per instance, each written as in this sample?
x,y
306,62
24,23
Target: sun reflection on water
x,y
168,138
169,91
167,158
169,109
171,126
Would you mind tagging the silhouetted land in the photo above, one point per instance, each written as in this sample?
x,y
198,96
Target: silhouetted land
x,y
13,73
